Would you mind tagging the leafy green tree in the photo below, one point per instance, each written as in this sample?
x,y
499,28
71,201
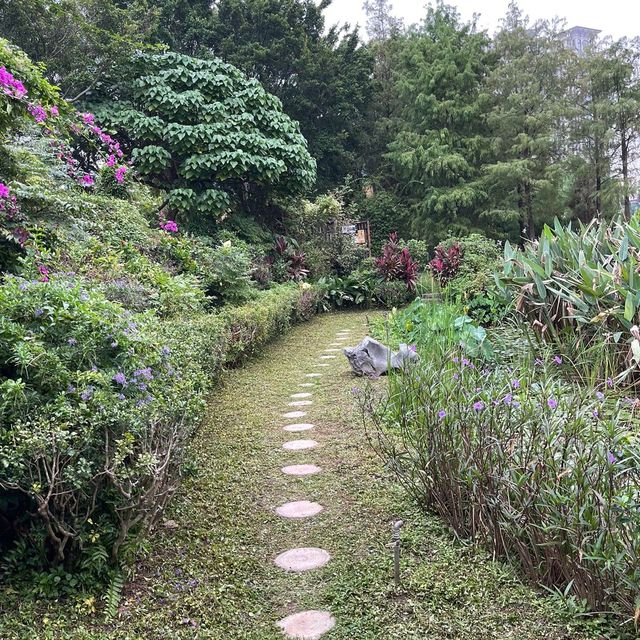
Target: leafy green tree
x,y
82,43
209,135
525,98
619,71
441,142
323,79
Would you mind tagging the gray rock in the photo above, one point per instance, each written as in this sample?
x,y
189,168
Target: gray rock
x,y
372,358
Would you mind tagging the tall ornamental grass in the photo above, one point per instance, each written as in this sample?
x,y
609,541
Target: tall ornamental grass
x,y
541,470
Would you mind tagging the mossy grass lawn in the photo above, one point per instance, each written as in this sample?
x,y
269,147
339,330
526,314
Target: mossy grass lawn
x,y
212,576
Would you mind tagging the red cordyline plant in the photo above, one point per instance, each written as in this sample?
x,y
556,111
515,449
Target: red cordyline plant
x,y
397,264
446,263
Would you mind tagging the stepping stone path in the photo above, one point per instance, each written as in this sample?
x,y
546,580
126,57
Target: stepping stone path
x,y
297,445
302,559
299,509
300,426
301,469
307,625
294,414
312,624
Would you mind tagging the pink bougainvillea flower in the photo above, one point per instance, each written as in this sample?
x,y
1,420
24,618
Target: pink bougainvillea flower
x,y
170,226
44,273
87,118
87,180
54,111
38,113
10,85
119,175
111,161
4,190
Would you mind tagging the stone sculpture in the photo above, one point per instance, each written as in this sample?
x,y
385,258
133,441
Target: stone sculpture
x,y
371,358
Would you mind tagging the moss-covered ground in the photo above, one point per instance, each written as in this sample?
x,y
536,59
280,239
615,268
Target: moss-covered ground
x,y
212,575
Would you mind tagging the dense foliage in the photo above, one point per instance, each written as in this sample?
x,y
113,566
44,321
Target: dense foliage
x,y
208,134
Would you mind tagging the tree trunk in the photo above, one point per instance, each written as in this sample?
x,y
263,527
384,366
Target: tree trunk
x,y
624,156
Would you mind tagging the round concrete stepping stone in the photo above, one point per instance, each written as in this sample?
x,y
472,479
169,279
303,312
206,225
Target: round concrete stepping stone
x,y
294,414
298,445
302,394
307,625
302,559
307,384
301,469
300,403
300,426
312,375
299,509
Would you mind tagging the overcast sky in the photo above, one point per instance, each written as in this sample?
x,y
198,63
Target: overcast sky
x,y
614,17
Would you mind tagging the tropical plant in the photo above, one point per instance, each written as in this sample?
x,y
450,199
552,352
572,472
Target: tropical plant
x,y
582,279
446,263
396,263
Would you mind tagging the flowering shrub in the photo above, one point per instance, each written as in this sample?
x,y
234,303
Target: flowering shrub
x,y
536,468
446,263
396,263
12,220
92,417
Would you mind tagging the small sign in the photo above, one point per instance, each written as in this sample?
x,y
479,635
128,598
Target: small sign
x,y
349,230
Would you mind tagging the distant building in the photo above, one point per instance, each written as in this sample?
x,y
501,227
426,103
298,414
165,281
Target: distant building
x,y
579,38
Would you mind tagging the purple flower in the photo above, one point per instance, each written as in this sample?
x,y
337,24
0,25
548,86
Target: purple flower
x,y
4,190
442,414
465,362
515,384
609,382
557,359
478,406
508,399
412,348
121,396
114,344
552,403
538,362
72,342
71,388
600,395
38,312
143,373
595,414
611,458
515,404
455,376
120,378
87,393
455,359
166,351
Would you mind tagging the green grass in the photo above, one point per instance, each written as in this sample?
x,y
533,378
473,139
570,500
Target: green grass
x,y
213,576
